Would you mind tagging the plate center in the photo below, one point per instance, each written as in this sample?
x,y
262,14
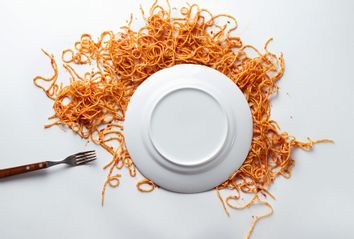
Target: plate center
x,y
188,127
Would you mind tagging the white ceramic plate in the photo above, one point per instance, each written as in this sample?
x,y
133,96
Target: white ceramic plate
x,y
188,128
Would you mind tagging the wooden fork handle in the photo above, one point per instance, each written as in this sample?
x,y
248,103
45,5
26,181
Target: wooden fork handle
x,y
22,169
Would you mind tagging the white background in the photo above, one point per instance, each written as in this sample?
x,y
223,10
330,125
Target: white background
x,y
316,99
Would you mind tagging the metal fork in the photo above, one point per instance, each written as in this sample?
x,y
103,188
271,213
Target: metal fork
x,y
72,160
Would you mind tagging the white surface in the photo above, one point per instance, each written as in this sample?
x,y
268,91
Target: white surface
x,y
188,128
317,202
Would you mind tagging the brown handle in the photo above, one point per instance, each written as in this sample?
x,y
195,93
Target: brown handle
x,y
22,169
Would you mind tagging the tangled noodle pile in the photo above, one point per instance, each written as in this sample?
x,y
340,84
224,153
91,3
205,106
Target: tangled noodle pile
x,y
93,104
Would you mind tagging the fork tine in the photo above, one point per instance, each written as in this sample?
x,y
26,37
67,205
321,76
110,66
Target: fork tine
x,y
82,157
85,156
84,152
85,161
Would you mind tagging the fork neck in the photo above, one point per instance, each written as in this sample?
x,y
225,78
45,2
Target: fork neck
x,y
52,163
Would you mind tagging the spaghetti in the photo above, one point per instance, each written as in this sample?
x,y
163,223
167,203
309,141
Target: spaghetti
x,y
93,104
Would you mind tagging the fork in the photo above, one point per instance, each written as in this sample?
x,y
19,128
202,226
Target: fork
x,y
72,160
